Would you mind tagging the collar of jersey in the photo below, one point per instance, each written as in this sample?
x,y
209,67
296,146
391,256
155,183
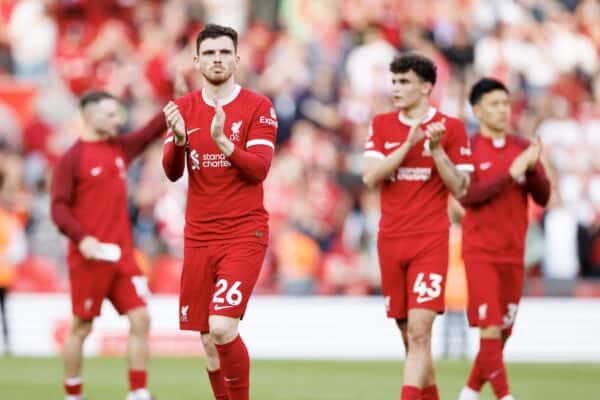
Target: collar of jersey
x,y
232,96
428,116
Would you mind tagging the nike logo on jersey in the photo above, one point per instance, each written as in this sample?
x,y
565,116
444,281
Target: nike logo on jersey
x,y
423,299
391,145
189,132
485,165
218,307
96,171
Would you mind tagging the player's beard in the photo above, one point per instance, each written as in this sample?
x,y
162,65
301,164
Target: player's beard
x,y
217,79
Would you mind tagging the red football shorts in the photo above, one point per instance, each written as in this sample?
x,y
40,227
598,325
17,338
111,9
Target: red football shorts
x,y
93,281
217,279
494,293
413,272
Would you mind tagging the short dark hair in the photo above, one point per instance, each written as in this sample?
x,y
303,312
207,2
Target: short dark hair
x,y
94,96
212,31
483,87
420,65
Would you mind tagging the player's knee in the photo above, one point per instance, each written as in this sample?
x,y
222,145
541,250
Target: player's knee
x,y
209,346
418,335
140,322
81,329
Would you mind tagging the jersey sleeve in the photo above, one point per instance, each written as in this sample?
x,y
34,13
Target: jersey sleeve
x,y
64,181
134,143
374,145
263,128
255,160
459,147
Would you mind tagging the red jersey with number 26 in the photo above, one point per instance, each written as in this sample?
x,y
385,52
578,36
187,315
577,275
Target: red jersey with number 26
x,y
415,199
225,194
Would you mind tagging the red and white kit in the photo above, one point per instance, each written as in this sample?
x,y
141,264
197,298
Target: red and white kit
x,y
494,229
89,197
413,230
226,230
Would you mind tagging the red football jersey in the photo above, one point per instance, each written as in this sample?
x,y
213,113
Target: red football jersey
x,y
496,221
225,194
89,192
415,199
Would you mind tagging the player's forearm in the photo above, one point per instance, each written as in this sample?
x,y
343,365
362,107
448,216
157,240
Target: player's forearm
x,y
456,181
253,165
480,192
538,185
173,160
134,143
378,173
65,221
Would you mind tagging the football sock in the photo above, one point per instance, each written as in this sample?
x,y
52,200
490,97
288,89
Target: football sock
x,y
137,379
218,384
476,380
430,393
235,364
410,393
73,387
492,366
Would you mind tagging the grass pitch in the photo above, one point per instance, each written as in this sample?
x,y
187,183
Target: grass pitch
x,y
185,379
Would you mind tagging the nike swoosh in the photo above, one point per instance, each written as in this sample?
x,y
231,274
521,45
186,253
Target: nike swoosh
x,y
218,307
485,165
230,379
423,299
193,130
391,145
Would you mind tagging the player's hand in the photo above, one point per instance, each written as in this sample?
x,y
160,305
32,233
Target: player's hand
x,y
434,133
519,165
180,86
415,134
218,121
535,151
175,122
88,247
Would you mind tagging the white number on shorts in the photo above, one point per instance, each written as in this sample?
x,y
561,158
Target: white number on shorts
x,y
511,314
233,295
140,284
433,290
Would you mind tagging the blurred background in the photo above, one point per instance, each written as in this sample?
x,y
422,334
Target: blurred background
x,y
324,65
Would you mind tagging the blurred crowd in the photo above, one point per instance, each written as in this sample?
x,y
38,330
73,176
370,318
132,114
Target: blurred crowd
x,y
324,64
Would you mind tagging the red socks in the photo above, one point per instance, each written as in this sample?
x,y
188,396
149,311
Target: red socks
x,y
137,379
430,393
218,384
491,366
73,386
476,379
235,367
410,393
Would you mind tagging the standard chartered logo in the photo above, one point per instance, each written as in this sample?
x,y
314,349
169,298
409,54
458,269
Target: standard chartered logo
x,y
208,160
212,160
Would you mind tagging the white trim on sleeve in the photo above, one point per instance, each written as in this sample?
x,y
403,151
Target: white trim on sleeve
x,y
169,140
374,154
465,167
258,142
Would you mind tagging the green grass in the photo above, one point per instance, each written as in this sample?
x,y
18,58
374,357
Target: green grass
x,y
183,379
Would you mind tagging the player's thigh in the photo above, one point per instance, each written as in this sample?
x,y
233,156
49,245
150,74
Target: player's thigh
x,y
426,274
90,283
483,283
393,277
237,269
129,290
511,288
196,289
